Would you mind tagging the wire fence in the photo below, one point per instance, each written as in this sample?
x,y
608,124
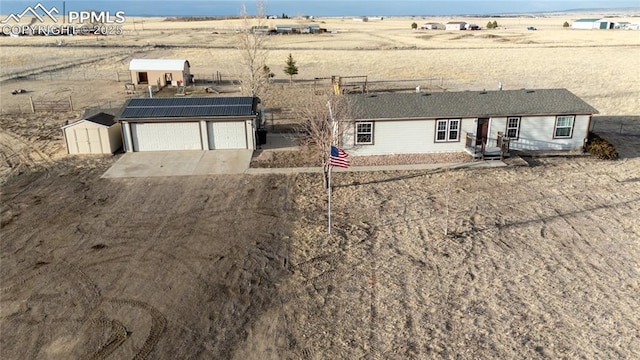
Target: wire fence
x,y
621,125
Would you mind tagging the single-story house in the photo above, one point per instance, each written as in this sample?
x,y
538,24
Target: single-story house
x,y
96,134
406,123
189,123
297,29
160,72
432,26
455,25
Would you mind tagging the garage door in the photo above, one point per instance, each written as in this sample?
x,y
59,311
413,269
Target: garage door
x,y
166,136
227,135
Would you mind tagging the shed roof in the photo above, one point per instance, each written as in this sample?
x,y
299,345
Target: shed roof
x,y
99,118
468,104
172,108
157,64
456,22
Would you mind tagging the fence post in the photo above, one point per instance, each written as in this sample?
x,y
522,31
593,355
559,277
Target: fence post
x,y
33,108
70,103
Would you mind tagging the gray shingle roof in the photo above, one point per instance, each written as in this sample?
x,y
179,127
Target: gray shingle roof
x,y
102,119
172,108
468,104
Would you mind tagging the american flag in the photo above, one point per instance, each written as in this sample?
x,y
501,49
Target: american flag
x,y
339,158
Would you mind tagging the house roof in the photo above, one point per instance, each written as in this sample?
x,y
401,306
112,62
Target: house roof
x,y
157,64
456,22
187,107
468,104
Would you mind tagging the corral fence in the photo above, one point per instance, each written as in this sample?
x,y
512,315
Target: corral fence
x,y
79,75
62,105
621,125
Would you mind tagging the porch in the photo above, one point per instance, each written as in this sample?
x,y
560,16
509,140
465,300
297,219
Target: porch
x,y
487,148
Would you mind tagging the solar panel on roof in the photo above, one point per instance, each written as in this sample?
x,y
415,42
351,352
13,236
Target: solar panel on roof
x,y
188,107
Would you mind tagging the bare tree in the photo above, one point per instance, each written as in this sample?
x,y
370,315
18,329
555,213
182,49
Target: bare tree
x,y
323,120
253,53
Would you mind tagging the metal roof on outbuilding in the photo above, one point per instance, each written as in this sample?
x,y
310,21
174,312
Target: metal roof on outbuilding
x,y
157,64
468,104
172,108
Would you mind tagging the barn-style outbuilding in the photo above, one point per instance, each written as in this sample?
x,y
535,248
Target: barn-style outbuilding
x,y
209,123
160,72
96,134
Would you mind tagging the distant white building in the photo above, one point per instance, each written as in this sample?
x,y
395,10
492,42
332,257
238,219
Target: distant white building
x,y
432,26
585,24
588,24
455,25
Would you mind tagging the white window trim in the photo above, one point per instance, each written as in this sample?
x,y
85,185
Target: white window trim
x,y
448,130
555,127
363,133
517,128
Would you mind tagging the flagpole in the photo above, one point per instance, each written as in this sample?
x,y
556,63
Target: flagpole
x,y
333,134
329,216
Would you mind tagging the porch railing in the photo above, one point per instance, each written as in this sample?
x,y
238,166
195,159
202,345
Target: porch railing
x,y
481,148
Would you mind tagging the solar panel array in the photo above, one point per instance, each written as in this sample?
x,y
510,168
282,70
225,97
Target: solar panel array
x,y
188,107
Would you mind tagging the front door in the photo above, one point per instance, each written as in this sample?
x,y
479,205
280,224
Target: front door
x,y
483,130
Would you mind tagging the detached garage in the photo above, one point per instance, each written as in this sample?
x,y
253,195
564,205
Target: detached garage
x,y
97,134
164,124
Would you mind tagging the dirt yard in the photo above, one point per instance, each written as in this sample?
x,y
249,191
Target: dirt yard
x,y
538,261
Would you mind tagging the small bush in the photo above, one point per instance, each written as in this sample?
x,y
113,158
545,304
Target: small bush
x,y
601,148
565,25
414,26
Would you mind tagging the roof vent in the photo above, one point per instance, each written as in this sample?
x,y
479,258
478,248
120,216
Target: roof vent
x,y
484,91
426,94
530,91
373,95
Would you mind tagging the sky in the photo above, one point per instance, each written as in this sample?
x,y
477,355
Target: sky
x,y
319,7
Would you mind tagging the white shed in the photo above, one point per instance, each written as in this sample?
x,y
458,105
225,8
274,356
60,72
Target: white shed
x,y
160,72
97,134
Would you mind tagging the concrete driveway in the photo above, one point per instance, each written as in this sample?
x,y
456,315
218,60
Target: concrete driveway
x,y
180,163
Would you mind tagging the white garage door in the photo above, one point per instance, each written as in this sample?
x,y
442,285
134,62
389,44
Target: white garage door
x,y
166,136
227,135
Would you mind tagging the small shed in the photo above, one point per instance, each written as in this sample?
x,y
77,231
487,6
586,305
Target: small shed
x,y
97,134
455,25
160,72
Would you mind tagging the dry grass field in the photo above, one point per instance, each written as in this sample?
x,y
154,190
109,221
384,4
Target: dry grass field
x,y
539,261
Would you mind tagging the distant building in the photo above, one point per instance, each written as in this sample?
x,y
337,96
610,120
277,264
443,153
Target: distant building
x,y
588,24
584,24
160,72
455,25
361,19
432,26
298,29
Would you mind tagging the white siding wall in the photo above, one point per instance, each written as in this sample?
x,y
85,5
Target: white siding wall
x,y
115,137
406,137
582,25
536,133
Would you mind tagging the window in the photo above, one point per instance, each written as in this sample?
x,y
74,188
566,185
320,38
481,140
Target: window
x,y
564,126
513,127
447,130
364,133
